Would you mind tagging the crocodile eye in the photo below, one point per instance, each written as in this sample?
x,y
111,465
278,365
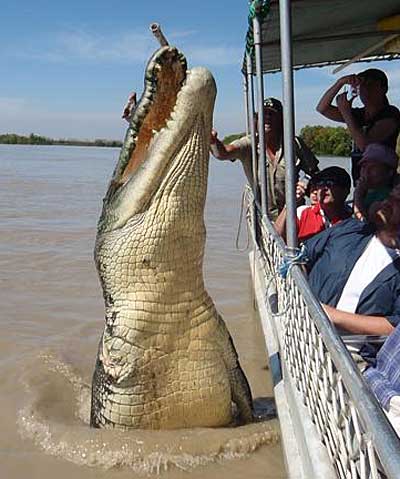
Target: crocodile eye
x,y
163,81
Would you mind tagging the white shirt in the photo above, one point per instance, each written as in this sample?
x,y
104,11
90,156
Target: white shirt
x,y
373,260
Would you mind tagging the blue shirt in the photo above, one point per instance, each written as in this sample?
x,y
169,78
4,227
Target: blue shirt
x,y
332,255
384,378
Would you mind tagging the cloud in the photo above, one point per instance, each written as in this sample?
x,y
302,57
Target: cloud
x,y
23,116
182,34
12,106
215,56
125,47
128,47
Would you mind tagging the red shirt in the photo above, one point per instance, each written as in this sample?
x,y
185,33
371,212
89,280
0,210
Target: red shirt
x,y
313,220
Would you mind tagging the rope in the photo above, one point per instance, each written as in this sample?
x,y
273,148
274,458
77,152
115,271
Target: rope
x,y
240,225
258,9
289,261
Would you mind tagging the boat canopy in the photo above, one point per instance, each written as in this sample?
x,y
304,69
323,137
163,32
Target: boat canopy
x,y
327,32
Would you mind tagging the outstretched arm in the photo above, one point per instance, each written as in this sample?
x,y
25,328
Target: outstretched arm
x,y
221,151
359,323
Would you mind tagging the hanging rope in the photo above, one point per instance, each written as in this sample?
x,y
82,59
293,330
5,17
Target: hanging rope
x,y
242,208
259,9
289,261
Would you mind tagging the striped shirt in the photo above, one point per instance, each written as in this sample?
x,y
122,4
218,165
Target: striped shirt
x,y
384,378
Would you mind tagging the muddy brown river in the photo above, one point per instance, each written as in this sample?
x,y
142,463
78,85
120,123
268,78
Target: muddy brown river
x,y
51,320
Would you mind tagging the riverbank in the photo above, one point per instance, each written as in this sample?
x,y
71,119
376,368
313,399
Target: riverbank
x,y
32,139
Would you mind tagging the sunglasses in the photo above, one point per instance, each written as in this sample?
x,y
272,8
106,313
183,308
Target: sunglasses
x,y
325,183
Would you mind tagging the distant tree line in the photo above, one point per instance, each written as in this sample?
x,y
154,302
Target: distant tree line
x,y
327,140
323,140
32,139
228,139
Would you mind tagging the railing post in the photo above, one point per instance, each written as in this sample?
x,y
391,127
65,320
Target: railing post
x,y
250,122
288,124
262,163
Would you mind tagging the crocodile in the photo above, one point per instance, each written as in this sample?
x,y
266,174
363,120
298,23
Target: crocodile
x,y
166,359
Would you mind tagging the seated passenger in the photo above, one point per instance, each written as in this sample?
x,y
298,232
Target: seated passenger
x,y
384,378
378,167
333,186
354,270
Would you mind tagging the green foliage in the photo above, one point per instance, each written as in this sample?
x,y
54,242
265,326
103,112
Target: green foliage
x,y
32,139
228,139
323,140
327,140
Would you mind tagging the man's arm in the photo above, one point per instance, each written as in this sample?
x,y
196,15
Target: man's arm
x,y
360,193
280,224
359,323
325,106
220,150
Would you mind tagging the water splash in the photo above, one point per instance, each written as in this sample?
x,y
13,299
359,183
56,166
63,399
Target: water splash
x,y
56,418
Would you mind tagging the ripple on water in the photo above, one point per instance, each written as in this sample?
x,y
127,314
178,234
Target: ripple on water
x,y
56,418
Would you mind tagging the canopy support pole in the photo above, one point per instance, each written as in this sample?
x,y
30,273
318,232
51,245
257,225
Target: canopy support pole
x,y
262,163
251,130
288,123
246,103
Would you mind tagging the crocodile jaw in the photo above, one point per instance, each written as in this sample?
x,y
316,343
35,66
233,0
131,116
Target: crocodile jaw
x,y
155,134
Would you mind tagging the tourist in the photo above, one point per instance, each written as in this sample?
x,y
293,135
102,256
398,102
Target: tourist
x,y
376,122
241,149
333,186
378,167
384,378
354,270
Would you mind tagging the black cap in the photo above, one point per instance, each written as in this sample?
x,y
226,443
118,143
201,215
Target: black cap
x,y
273,104
334,173
375,75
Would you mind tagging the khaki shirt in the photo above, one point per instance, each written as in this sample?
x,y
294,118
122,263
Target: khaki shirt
x,y
305,161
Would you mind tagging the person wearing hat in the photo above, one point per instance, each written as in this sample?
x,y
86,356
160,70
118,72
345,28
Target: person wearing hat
x,y
378,173
376,122
354,271
241,149
333,186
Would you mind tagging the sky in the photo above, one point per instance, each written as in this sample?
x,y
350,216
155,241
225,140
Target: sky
x,y
67,67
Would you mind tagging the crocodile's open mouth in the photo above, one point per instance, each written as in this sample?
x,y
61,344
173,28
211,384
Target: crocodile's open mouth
x,y
165,75
170,120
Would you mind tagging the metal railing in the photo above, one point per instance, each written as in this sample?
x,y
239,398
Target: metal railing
x,y
348,419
